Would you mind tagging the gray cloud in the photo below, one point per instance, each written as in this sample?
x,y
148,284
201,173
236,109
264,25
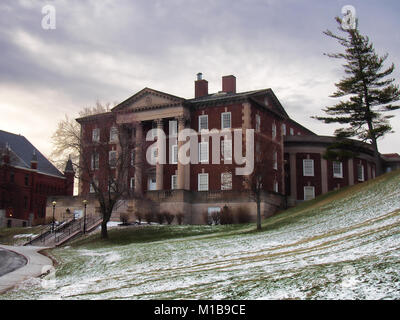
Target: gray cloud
x,y
108,50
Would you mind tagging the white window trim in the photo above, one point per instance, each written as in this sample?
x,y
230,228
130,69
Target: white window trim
x,y
283,129
96,137
207,151
258,123
113,134
276,186
174,154
305,174
173,128
310,188
222,120
109,158
275,160
223,149
198,181
362,178
132,183
273,130
174,184
291,131
95,161
200,117
337,175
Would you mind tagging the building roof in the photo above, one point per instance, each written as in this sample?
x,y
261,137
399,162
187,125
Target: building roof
x,y
24,151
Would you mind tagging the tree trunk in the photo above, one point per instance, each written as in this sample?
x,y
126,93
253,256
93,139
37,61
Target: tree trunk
x,y
258,214
104,232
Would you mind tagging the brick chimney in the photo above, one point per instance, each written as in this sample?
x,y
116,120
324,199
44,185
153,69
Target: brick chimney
x,y
34,161
229,84
200,86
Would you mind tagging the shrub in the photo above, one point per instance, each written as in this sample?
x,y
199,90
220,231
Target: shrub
x,y
169,217
160,216
179,217
216,217
206,219
149,216
139,216
243,215
124,218
226,216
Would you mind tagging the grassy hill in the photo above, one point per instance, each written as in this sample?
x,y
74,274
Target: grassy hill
x,y
343,245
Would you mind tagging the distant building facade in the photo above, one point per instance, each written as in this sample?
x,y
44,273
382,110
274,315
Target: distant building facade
x,y
27,180
293,154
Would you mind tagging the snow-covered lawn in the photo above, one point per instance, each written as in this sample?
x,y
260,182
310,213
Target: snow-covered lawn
x,y
348,248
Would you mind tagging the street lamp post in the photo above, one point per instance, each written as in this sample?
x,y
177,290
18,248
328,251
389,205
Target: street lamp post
x,y
54,209
84,216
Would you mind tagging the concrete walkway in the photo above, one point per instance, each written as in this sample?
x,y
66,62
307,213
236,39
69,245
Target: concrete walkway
x,y
34,267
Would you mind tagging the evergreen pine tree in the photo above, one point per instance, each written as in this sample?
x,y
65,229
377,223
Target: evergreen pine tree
x,y
369,92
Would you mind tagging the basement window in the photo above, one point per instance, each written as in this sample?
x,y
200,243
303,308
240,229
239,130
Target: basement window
x,y
203,181
309,193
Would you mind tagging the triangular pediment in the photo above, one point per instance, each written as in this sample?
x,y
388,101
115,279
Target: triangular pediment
x,y
148,98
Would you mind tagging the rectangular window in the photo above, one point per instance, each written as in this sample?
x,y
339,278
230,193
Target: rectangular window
x,y
283,129
96,135
291,131
174,154
258,123
225,120
226,149
25,202
27,179
203,122
309,193
174,182
113,134
154,155
203,151
275,160
12,177
112,159
132,183
226,181
273,131
360,172
276,186
173,127
203,181
337,169
96,182
308,167
95,161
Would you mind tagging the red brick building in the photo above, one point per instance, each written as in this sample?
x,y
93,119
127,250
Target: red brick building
x,y
293,154
27,180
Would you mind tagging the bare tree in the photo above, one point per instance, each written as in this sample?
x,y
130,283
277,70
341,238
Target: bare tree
x,y
262,176
110,183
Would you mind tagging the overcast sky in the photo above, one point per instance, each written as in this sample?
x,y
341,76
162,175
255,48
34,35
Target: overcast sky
x,y
108,50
